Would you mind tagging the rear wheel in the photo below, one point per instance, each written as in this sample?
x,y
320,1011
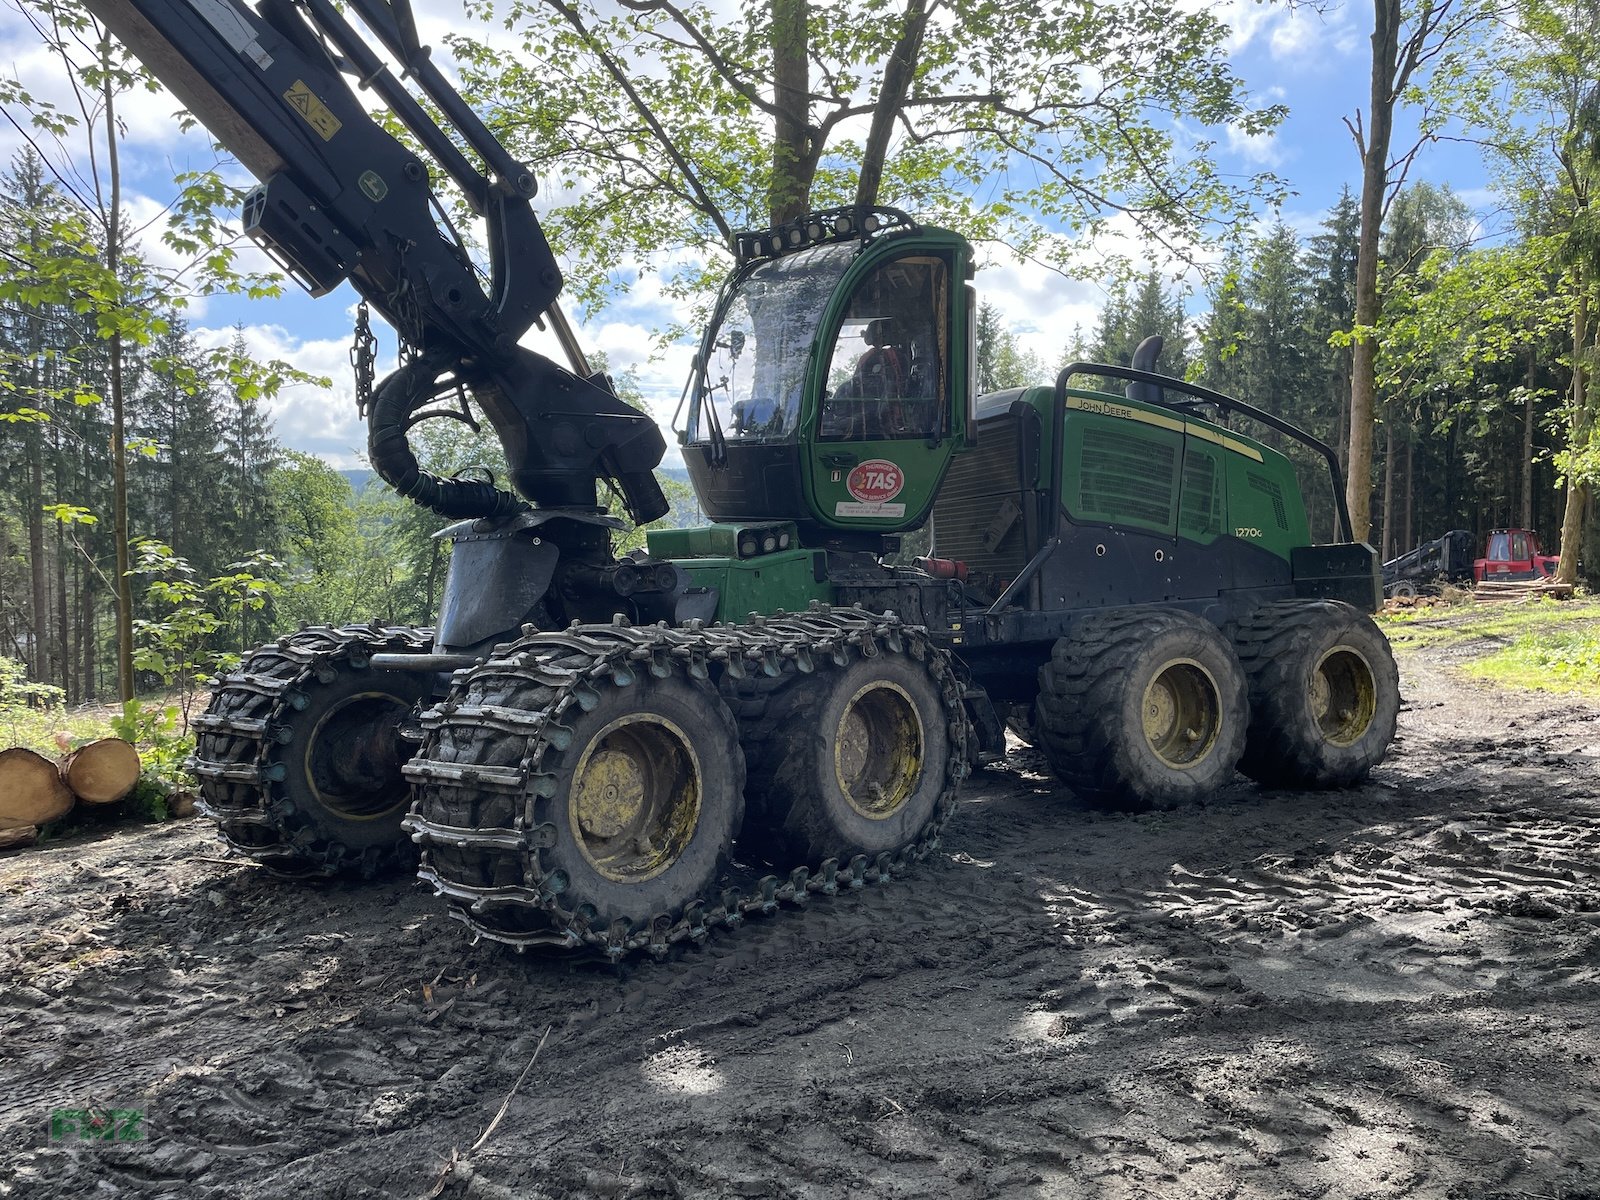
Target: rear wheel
x,y
1142,707
1324,694
300,754
851,760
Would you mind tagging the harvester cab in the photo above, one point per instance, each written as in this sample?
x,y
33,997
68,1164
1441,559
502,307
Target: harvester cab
x,y
831,389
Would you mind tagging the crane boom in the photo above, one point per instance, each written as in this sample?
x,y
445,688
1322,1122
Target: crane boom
x,y
340,199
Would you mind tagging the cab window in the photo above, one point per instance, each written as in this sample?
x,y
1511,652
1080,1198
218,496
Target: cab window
x,y
888,370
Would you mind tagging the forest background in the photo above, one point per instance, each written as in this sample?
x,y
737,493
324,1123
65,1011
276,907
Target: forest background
x,y
138,444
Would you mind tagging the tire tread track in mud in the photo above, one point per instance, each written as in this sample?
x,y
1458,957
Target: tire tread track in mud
x,y
484,803
239,747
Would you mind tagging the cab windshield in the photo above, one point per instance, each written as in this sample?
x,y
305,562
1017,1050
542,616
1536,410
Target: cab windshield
x,y
756,356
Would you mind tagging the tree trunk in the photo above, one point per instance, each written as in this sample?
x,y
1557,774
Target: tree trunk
x,y
40,659
1577,492
1409,537
898,72
63,638
31,791
1374,185
1527,444
1387,540
18,838
790,196
119,449
102,772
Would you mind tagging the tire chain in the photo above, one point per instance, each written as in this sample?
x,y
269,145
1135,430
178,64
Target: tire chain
x,y
243,725
771,646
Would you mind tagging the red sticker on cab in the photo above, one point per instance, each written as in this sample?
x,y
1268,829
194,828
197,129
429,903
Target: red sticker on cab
x,y
875,481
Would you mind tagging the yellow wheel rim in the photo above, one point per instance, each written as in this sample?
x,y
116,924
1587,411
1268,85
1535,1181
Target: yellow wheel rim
x,y
353,759
635,799
1344,695
878,750
1182,713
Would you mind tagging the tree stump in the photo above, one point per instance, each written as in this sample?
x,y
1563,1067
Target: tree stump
x,y
31,789
102,772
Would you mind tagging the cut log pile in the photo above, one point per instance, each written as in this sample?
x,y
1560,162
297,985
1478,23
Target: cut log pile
x,y
35,791
1502,591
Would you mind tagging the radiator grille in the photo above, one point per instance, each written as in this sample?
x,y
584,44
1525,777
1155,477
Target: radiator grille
x,y
1201,507
1270,489
976,488
1125,478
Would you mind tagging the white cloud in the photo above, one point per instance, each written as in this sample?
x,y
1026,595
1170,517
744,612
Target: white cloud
x,y
320,421
1260,149
1300,32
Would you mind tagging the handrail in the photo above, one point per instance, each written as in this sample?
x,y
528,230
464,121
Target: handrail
x,y
1164,383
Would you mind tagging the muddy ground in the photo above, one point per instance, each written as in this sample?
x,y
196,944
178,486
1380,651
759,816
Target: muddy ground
x,y
1384,992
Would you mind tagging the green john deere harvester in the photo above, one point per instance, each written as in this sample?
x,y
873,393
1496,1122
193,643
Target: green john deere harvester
x,y
623,751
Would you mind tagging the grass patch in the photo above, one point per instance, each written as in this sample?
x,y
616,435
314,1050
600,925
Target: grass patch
x,y
37,728
1539,645
1554,660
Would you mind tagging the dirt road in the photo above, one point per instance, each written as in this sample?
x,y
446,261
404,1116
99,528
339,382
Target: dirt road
x,y
1384,992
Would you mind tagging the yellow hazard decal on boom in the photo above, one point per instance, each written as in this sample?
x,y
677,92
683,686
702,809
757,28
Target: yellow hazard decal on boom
x,y
317,114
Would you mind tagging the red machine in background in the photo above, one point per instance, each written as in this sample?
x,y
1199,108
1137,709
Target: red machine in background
x,y
1513,554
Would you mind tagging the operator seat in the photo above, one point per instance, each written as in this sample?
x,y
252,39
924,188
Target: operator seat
x,y
881,371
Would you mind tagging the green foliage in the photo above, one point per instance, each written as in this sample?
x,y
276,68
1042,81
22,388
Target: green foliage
x,y
163,748
1040,128
16,691
1002,362
1551,661
1135,313
187,642
1543,645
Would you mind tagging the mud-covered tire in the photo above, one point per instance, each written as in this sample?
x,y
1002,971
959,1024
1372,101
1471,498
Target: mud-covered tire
x,y
1324,694
561,789
851,760
1142,707
299,754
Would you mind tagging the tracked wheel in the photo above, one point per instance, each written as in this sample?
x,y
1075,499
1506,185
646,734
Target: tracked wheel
x,y
1324,694
569,792
299,753
1142,707
584,788
854,758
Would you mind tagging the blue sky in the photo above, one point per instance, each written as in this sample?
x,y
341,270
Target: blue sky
x,y
1314,62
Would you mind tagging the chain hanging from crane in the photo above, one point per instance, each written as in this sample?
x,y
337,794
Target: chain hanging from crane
x,y
363,355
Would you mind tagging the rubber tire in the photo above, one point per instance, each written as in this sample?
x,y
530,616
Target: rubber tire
x,y
700,712
1404,590
358,834
1091,727
798,813
308,838
1279,646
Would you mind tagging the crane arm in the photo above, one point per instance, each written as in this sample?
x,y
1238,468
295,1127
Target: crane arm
x,y
340,198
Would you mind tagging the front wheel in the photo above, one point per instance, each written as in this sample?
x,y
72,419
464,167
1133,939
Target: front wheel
x,y
565,793
1324,694
1142,707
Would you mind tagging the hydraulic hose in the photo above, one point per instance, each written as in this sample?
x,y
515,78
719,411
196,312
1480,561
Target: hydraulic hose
x,y
393,401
